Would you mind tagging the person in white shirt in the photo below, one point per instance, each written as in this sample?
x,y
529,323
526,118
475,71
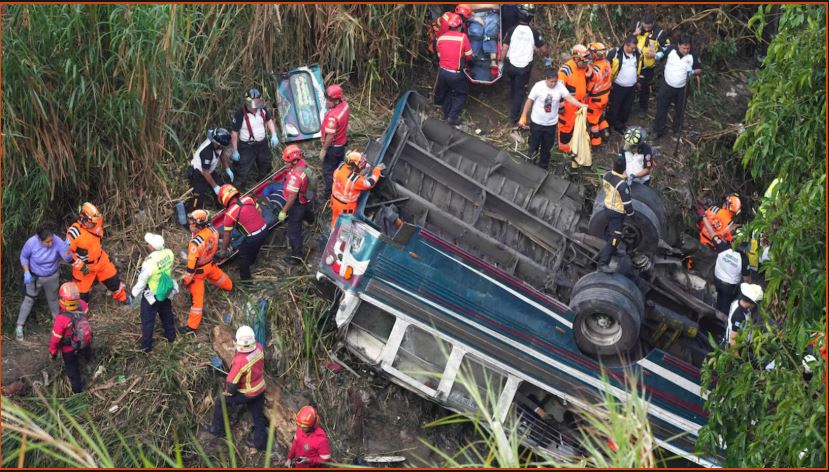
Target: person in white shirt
x,y
624,64
156,292
731,270
679,67
520,43
544,100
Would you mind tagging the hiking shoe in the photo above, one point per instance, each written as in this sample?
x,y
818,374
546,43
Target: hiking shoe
x,y
129,300
19,333
250,443
186,330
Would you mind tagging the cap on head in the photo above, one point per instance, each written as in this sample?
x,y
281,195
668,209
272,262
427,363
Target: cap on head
x,y
156,241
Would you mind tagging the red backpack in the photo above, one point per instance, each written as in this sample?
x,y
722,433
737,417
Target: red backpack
x,y
81,332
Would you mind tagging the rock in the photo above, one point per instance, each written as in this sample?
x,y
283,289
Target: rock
x,y
276,411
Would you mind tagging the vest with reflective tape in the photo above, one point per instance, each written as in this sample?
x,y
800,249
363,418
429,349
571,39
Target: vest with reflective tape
x,y
161,263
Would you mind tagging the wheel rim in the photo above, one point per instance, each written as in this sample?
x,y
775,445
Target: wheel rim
x,y
601,330
631,235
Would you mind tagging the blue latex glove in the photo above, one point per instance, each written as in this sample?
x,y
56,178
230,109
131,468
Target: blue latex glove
x,y
27,278
548,61
216,190
659,55
274,141
689,69
229,173
235,155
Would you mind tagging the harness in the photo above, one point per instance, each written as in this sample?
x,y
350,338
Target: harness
x,y
247,122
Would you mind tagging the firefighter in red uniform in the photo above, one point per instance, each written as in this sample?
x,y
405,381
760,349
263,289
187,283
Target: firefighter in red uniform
x,y
244,213
441,25
349,182
245,386
200,266
598,92
451,87
91,262
310,447
298,206
574,74
69,300
334,135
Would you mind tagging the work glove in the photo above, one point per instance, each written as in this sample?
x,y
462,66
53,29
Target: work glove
x,y
216,189
188,279
282,216
522,122
548,61
659,55
81,267
229,174
235,156
274,141
27,278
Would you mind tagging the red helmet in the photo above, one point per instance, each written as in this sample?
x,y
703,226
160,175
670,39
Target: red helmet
x,y
464,10
306,417
334,92
292,153
453,19
226,192
69,296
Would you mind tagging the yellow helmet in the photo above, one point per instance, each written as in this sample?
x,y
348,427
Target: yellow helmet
x,y
356,160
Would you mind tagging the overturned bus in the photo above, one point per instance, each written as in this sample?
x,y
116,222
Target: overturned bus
x,y
466,270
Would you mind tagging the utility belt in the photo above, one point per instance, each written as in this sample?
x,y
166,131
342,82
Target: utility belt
x,y
250,144
342,201
599,94
263,228
450,70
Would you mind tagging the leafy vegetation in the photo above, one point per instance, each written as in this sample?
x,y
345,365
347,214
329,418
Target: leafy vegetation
x,y
774,417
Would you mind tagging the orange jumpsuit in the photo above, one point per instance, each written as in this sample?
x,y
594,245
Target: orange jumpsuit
x,y
86,250
200,266
598,92
346,189
720,219
575,79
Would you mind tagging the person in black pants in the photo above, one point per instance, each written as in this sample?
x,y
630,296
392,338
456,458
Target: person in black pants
x,y
520,43
651,41
624,62
451,89
299,205
617,205
680,66
202,171
158,264
249,128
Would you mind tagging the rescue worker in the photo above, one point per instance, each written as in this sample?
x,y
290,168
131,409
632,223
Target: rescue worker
x,y
206,159
617,205
730,270
298,207
91,262
574,74
741,311
542,105
519,46
200,266
441,25
651,42
70,303
598,93
719,221
680,65
310,447
638,156
248,133
451,88
245,385
624,64
334,135
349,182
242,212
157,266
40,258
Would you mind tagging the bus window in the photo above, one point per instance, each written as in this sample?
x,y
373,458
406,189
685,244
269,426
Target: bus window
x,y
422,356
473,376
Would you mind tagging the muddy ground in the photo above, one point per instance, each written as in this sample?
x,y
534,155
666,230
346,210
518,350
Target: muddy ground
x,y
364,414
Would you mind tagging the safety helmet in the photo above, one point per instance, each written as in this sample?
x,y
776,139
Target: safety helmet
x,y
635,135
219,136
526,11
199,218
292,153
89,214
306,417
69,296
598,49
226,192
464,10
245,339
580,50
733,203
753,292
253,99
334,92
356,160
453,20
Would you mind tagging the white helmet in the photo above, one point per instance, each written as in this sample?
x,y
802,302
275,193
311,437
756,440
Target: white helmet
x,y
753,292
245,339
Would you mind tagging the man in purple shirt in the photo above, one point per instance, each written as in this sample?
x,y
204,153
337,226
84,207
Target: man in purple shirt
x,y
40,258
